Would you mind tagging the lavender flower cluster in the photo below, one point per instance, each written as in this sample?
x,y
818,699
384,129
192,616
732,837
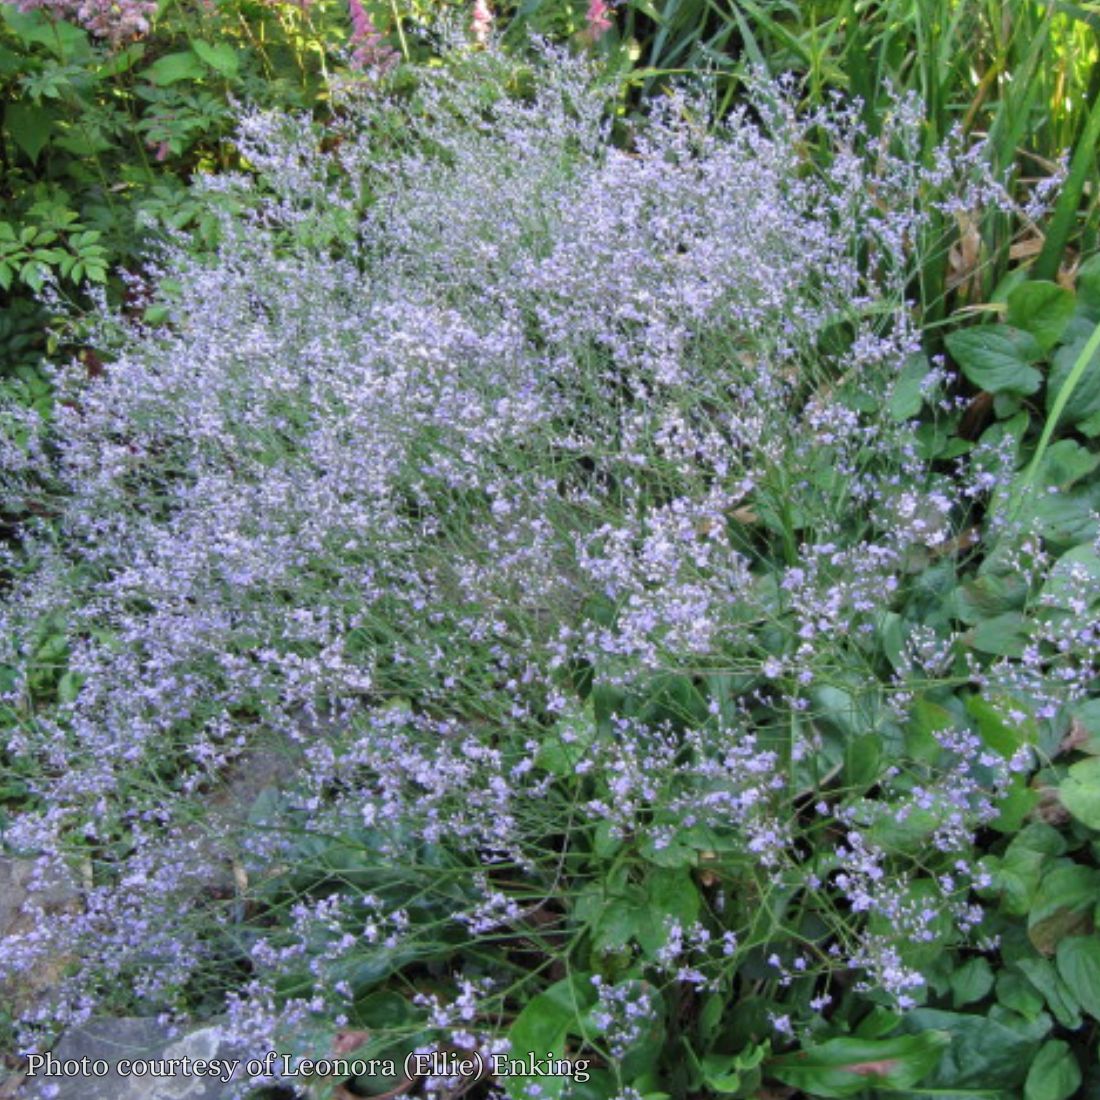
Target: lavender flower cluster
x,y
556,402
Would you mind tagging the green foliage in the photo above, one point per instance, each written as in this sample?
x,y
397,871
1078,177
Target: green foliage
x,y
849,1066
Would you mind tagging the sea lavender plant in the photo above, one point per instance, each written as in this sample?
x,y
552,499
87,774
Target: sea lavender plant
x,y
552,515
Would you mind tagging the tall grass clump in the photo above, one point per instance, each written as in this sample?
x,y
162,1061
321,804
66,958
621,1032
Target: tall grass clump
x,y
564,522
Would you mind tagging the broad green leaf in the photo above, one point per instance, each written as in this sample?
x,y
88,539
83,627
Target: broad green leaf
x,y
989,1052
1055,1074
1065,463
664,852
880,1021
1042,975
849,1066
862,760
835,705
173,67
1063,904
123,60
1065,519
997,358
1015,805
1078,961
617,924
1008,283
85,142
10,62
971,982
891,632
1014,991
541,1028
906,397
65,41
926,719
568,742
220,56
1085,401
1075,573
1080,791
1002,636
1001,730
988,595
728,1074
1018,873
672,898
909,833
29,127
1042,309
1085,725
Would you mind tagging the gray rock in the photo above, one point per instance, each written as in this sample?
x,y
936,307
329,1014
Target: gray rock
x,y
26,886
128,1044
32,891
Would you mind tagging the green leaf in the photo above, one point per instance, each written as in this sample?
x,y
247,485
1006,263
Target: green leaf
x,y
1014,991
1063,904
66,42
997,358
1042,309
1055,1074
1000,729
1065,463
1078,961
1003,636
1018,873
1080,791
849,1066
663,852
728,1074
926,719
221,56
1085,725
29,127
672,898
988,1052
1085,401
569,741
174,67
1075,573
1015,805
1063,518
971,982
85,142
541,1028
123,60
1042,975
878,1022
10,62
987,595
907,396
891,632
